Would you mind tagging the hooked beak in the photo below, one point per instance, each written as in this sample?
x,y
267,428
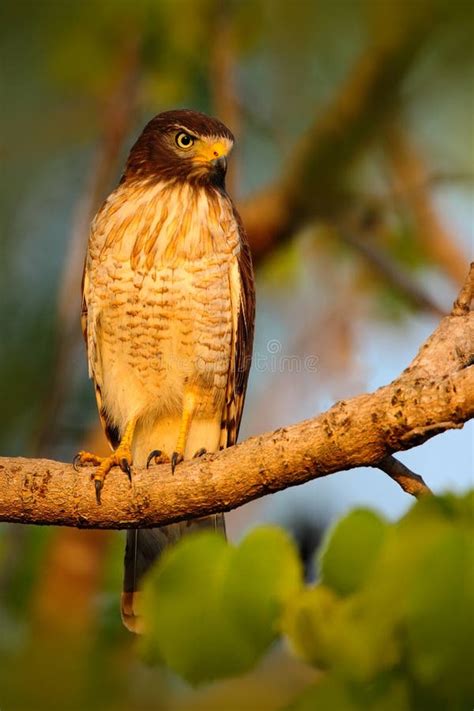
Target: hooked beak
x,y
219,164
210,160
219,168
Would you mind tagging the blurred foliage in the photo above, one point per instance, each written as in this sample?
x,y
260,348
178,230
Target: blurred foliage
x,y
343,568
230,618
390,621
290,61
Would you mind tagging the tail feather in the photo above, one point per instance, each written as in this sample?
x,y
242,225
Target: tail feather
x,y
144,546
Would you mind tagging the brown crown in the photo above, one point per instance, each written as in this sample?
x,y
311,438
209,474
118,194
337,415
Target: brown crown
x,y
152,155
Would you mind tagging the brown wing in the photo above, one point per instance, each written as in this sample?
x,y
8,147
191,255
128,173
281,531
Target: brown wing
x,y
243,305
89,327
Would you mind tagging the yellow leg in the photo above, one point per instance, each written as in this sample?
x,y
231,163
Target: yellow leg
x,y
159,457
121,457
189,406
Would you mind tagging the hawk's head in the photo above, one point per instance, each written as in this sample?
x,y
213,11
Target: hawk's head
x,y
181,146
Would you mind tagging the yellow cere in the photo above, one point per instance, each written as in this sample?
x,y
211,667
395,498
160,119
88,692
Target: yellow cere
x,y
210,151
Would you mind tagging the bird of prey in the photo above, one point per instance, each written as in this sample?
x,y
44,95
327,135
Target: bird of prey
x,y
168,315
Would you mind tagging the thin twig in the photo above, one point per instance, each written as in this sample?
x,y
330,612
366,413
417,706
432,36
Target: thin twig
x,y
409,481
312,180
463,303
435,238
392,272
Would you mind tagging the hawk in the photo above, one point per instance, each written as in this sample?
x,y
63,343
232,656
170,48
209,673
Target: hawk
x,y
168,315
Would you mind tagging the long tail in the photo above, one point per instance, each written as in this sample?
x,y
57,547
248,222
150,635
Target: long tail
x,y
144,546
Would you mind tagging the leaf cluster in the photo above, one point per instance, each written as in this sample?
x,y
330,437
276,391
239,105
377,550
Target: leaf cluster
x,y
389,624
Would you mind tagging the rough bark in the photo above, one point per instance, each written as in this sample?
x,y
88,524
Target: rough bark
x,y
435,393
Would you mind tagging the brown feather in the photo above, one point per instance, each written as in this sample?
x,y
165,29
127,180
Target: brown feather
x,y
242,344
112,432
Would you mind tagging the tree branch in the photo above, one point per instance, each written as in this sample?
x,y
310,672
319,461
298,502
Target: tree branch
x,y
312,184
410,174
409,481
388,268
435,393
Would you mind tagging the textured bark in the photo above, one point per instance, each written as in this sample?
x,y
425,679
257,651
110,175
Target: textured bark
x,y
435,393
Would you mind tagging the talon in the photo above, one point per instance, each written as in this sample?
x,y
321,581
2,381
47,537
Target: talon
x,y
122,457
200,453
176,458
125,467
98,488
153,455
85,458
159,457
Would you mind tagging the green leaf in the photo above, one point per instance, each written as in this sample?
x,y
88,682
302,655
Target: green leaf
x,y
440,619
349,552
328,694
387,693
181,605
436,509
344,635
265,572
211,609
313,622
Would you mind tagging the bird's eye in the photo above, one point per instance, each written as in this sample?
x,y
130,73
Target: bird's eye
x,y
184,140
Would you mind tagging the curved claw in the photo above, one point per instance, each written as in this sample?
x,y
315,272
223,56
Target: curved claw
x,y
125,467
153,455
98,483
200,453
75,462
176,458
